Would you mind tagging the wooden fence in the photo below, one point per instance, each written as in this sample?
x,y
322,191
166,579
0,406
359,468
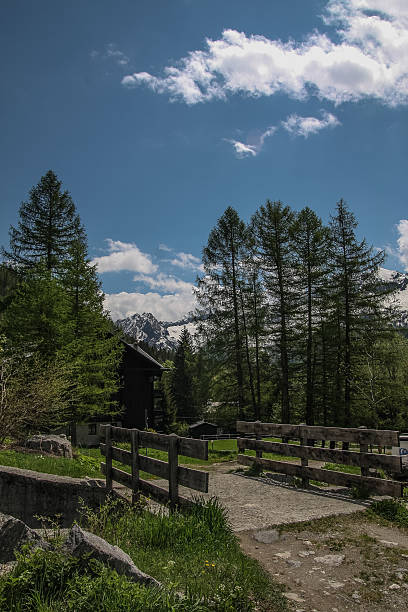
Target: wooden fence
x,y
307,434
170,470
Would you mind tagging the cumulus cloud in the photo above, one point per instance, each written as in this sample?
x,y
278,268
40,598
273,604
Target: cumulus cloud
x,y
165,282
169,307
402,242
365,58
304,126
186,260
124,256
111,52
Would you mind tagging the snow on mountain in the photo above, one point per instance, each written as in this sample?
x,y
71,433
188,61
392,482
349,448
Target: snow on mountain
x,y
399,280
160,334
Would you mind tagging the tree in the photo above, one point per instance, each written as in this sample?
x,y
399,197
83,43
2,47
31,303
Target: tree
x,y
218,295
182,379
271,226
91,349
309,241
33,393
47,226
357,296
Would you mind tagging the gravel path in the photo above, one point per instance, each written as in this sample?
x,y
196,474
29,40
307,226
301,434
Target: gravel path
x,y
256,503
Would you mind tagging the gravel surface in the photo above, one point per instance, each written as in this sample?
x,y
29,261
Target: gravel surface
x,y
255,503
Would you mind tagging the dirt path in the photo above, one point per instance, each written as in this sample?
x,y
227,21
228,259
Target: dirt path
x,y
255,503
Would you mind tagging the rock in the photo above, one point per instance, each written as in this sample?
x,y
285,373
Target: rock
x,y
13,534
394,587
336,585
80,542
293,563
387,543
283,555
5,568
306,553
268,537
332,560
51,443
294,597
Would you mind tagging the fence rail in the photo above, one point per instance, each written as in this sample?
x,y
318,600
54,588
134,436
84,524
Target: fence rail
x,y
306,451
169,470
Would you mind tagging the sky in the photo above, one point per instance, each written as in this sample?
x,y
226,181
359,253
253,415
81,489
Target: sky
x,y
158,114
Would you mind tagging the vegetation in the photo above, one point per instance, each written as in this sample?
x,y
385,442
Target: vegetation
x,y
59,356
195,556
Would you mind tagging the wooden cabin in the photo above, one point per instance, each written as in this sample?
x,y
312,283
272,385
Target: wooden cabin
x,y
137,398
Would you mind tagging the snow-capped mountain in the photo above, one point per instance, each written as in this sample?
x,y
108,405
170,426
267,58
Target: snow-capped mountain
x,y
399,280
160,334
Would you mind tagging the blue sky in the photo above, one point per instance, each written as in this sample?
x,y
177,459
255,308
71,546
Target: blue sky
x,y
158,114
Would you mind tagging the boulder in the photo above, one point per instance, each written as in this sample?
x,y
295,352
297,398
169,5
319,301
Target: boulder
x,y
53,444
80,542
13,534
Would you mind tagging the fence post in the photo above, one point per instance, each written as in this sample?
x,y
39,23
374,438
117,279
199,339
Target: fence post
x,y
303,460
364,449
258,437
173,466
135,464
108,457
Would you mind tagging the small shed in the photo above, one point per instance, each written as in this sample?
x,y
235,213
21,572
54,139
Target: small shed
x,y
203,428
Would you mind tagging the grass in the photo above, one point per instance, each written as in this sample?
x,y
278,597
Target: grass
x,y
195,556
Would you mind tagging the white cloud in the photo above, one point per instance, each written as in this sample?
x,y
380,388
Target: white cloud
x,y
124,256
304,126
111,52
164,247
367,58
245,149
187,260
165,283
402,242
171,307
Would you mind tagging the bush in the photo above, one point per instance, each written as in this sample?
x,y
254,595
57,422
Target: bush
x,y
391,510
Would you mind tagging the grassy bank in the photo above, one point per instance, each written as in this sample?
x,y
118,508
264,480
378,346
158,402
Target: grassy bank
x,y
195,556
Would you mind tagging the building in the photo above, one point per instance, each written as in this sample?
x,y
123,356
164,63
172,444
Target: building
x,y
136,397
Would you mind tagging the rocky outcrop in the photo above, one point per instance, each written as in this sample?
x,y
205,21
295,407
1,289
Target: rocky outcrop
x,y
81,542
53,444
13,534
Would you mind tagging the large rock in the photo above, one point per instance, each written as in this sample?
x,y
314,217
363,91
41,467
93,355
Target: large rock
x,y
13,534
81,542
54,444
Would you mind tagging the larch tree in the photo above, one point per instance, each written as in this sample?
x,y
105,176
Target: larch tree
x,y
47,226
219,300
183,378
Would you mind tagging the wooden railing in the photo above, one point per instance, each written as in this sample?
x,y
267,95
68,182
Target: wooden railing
x,y
169,470
305,451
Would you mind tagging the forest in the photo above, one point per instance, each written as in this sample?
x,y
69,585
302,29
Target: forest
x,y
293,324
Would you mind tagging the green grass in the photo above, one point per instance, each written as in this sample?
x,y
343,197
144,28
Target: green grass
x,y
81,466
338,467
195,556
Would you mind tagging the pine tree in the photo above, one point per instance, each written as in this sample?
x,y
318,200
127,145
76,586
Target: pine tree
x,y
47,226
218,296
357,298
271,225
91,349
182,380
309,240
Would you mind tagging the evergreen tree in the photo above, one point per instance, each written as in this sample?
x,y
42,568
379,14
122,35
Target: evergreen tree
x,y
91,349
309,242
219,300
271,225
182,380
357,295
47,226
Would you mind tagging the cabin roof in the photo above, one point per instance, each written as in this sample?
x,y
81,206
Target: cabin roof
x,y
201,423
151,361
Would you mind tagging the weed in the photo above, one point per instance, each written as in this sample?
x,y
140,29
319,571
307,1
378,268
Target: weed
x,y
391,510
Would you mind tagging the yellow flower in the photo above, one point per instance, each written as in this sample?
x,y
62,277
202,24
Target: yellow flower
x,y
212,564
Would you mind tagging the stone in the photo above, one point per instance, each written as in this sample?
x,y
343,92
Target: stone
x,y
13,534
294,597
80,542
293,563
387,543
59,446
394,587
283,555
306,553
333,560
336,585
268,537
